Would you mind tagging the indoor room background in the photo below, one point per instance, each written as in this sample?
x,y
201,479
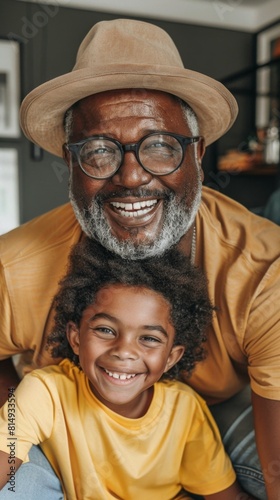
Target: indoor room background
x,y
47,37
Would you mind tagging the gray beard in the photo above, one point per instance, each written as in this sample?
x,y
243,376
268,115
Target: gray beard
x,y
178,219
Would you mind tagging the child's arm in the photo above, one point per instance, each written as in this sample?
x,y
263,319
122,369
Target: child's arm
x,y
234,492
8,467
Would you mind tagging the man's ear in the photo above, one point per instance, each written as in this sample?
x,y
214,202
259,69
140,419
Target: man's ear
x,y
200,151
201,148
175,355
73,336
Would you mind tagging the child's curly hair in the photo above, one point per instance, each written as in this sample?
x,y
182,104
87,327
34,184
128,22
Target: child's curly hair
x,y
92,267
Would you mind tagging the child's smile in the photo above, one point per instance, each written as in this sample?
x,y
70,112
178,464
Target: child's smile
x,y
120,376
125,343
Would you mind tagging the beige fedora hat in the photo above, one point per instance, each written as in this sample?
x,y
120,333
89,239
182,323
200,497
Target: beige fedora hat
x,y
123,54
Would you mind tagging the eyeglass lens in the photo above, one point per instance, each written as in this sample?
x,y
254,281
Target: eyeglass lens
x,y
158,153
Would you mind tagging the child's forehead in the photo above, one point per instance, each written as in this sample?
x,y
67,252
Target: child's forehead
x,y
129,310
113,291
122,299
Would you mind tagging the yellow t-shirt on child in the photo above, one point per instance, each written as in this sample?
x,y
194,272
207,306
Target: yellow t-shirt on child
x,y
101,455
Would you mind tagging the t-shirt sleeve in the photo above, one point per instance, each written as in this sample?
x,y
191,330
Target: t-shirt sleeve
x,y
206,468
7,347
27,416
262,336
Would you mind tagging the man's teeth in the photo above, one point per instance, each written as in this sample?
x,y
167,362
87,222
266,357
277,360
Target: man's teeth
x,y
120,376
134,209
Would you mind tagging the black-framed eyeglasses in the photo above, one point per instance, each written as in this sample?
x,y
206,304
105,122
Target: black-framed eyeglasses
x,y
159,153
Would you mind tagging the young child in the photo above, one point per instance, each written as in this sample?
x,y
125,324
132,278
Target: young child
x,y
111,418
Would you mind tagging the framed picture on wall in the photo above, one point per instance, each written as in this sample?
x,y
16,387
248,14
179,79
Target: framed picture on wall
x,y
9,189
268,75
9,88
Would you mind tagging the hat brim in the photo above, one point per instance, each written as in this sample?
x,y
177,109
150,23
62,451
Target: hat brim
x,y
42,111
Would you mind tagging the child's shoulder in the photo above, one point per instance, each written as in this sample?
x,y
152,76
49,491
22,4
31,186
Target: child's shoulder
x,y
66,369
57,380
181,389
176,385
182,399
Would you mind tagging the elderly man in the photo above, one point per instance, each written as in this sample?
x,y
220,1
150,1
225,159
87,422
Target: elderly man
x,y
132,124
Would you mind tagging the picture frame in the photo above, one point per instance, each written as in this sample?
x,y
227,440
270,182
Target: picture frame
x,y
268,75
9,88
9,189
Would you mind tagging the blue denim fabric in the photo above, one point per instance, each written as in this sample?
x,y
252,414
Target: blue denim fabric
x,y
235,421
34,480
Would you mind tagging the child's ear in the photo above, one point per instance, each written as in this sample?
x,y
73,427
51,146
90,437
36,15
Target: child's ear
x,y
175,355
73,336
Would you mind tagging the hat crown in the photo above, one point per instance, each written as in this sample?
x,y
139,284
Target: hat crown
x,y
126,42
125,54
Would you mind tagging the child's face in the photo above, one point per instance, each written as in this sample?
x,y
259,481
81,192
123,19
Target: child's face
x,y
125,343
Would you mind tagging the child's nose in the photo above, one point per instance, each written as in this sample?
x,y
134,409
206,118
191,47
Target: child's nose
x,y
125,349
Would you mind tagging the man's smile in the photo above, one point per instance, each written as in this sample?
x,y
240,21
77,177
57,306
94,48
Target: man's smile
x,y
133,212
136,209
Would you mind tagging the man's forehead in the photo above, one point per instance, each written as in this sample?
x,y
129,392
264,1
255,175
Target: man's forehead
x,y
129,104
131,108
121,110
133,97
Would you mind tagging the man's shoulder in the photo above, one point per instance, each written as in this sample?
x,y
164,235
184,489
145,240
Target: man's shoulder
x,y
237,237
217,203
47,231
234,222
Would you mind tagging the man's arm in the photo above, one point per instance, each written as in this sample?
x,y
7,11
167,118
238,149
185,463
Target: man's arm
x,y
266,420
7,466
234,492
8,378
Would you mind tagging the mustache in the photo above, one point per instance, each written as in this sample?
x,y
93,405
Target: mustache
x,y
165,194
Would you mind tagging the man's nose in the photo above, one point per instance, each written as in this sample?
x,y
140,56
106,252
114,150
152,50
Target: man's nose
x,y
130,174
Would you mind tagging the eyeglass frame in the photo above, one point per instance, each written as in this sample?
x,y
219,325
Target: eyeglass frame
x,y
184,141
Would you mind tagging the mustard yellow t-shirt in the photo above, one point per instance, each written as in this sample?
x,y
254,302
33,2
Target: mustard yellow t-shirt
x,y
99,454
240,253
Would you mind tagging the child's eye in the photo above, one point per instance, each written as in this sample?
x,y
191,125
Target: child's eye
x,y
104,331
150,339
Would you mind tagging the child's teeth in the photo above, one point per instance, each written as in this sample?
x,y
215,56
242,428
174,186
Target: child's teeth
x,y
120,376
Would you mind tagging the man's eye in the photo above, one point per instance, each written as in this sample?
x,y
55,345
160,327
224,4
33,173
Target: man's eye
x,y
160,151
102,151
96,153
159,146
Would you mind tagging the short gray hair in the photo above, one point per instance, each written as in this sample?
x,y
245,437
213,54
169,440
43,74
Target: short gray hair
x,y
68,124
190,117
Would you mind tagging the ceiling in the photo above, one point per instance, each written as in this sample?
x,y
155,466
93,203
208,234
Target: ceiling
x,y
244,15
